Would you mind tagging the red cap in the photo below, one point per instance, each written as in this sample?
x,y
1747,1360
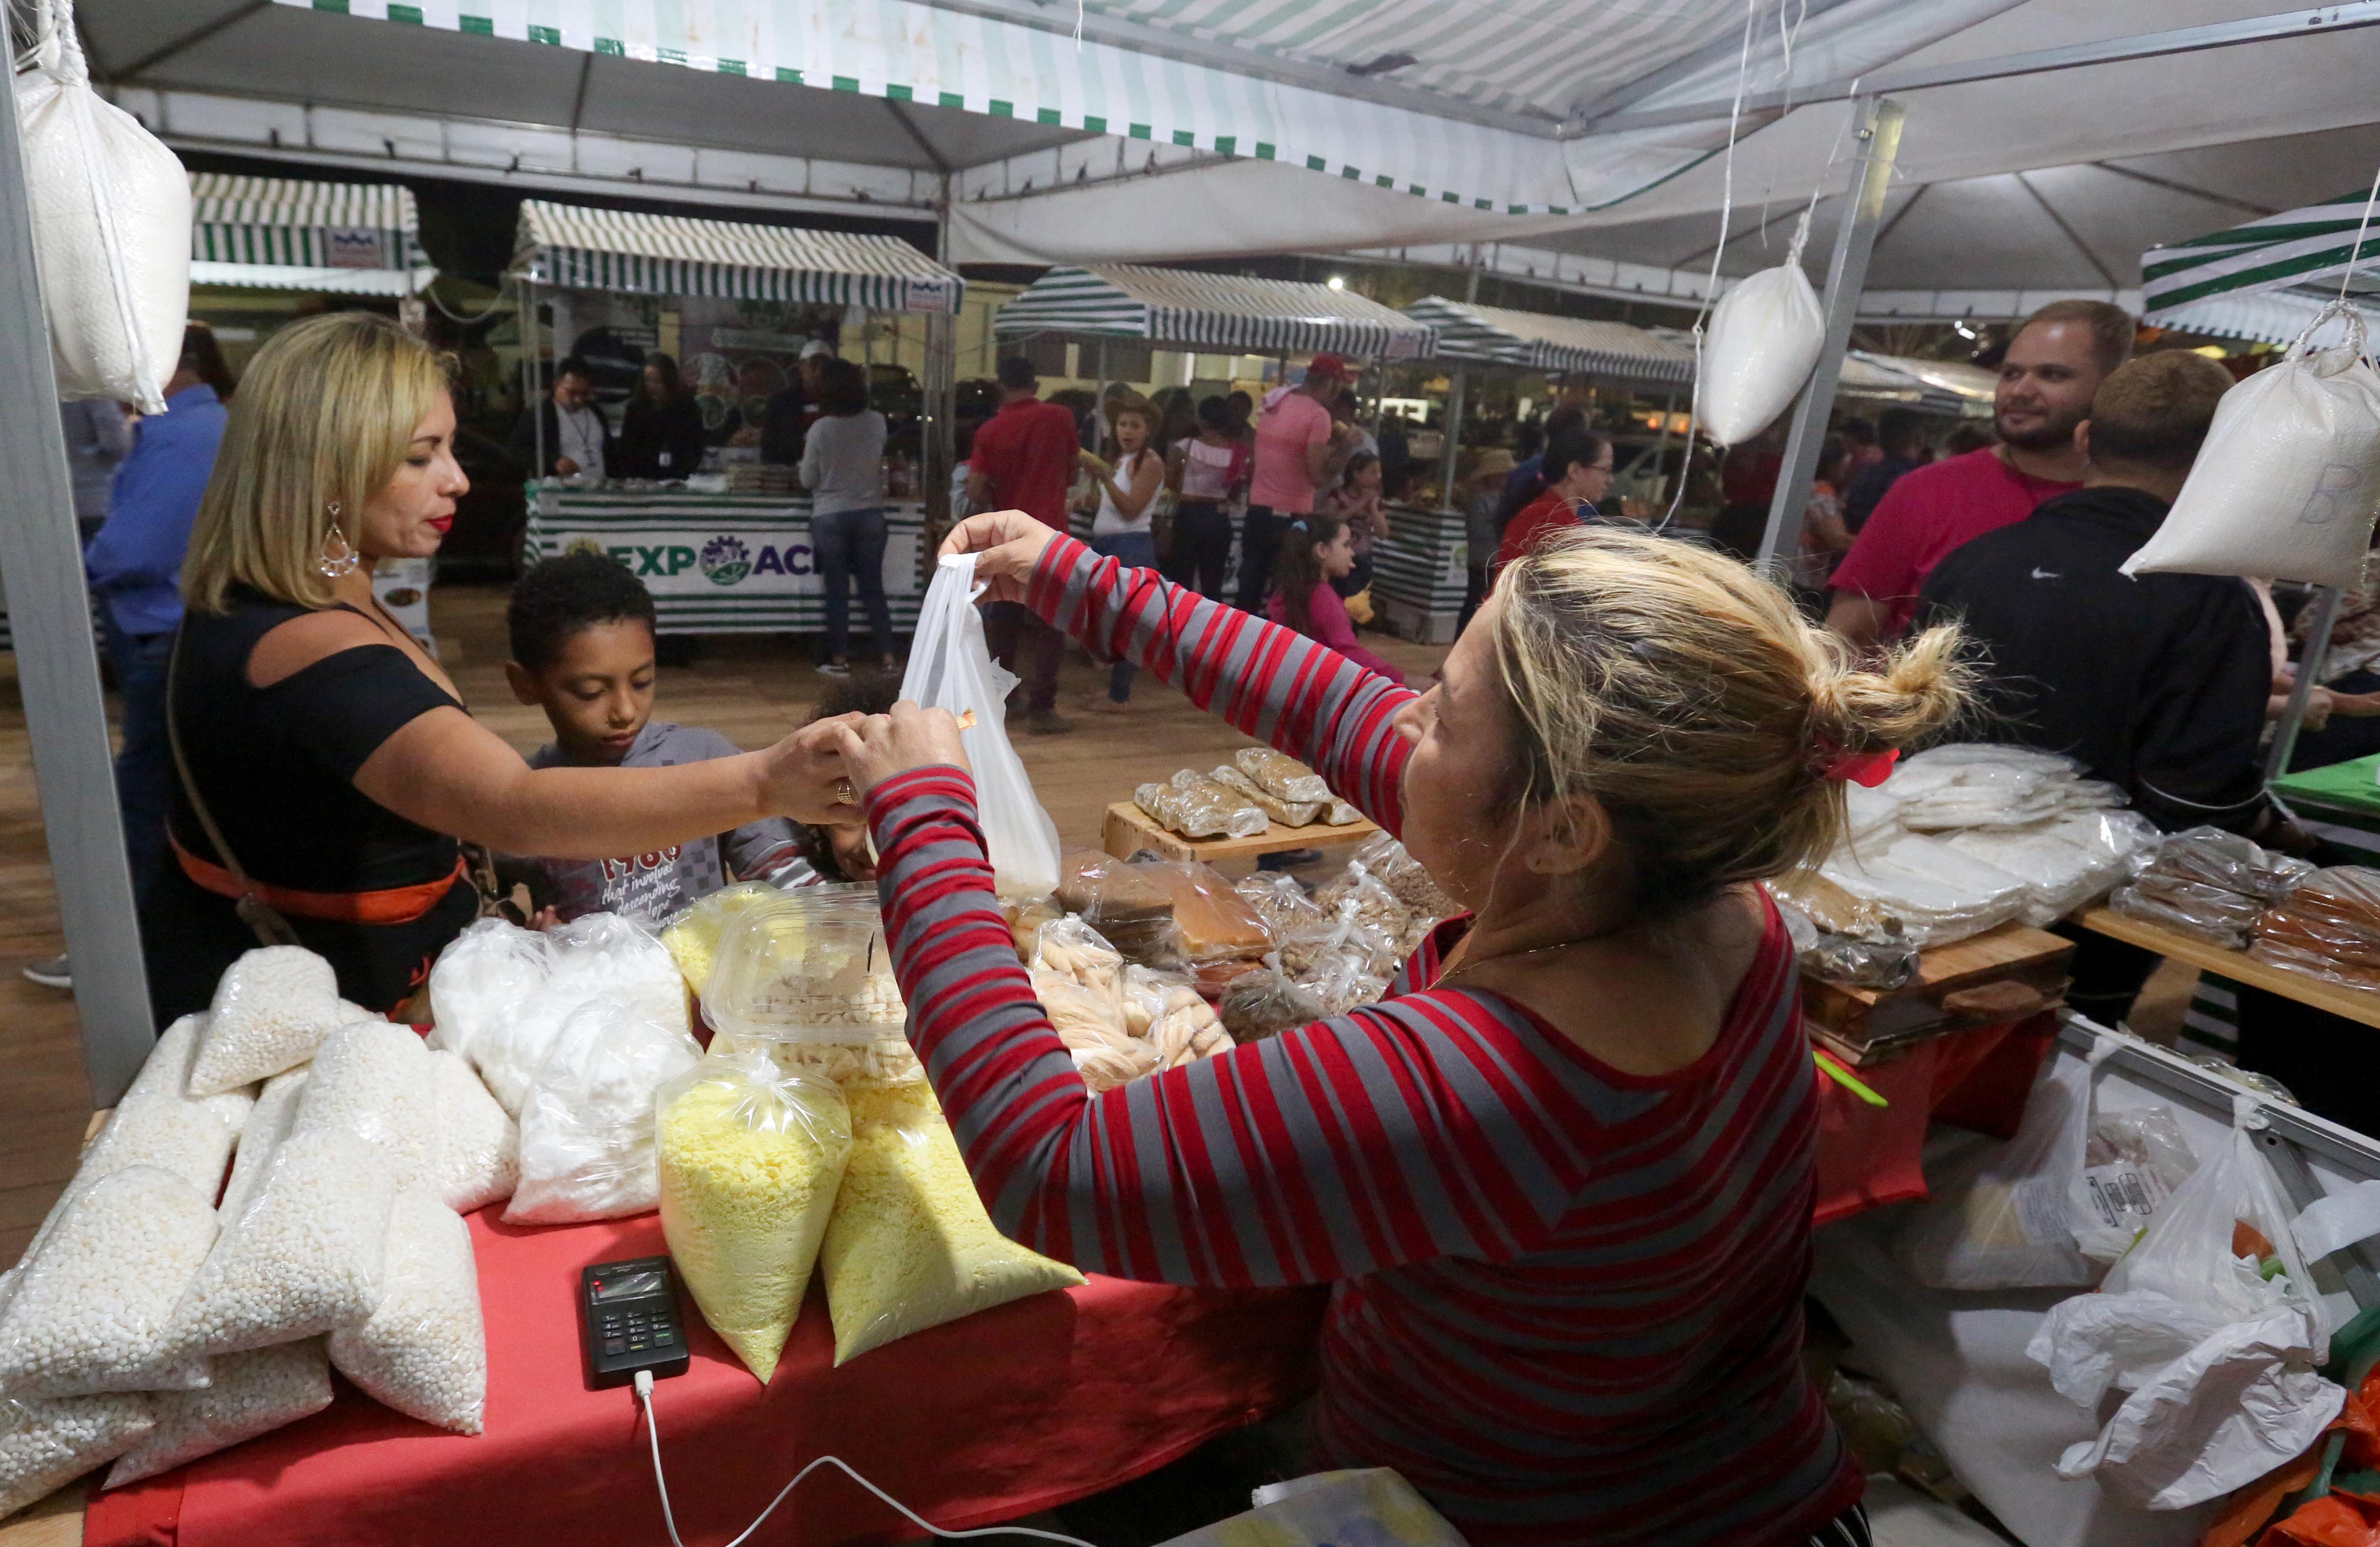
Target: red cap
x,y
1326,365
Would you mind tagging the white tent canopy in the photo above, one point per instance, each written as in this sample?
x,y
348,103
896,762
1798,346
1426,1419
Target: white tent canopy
x,y
1479,334
281,234
1186,309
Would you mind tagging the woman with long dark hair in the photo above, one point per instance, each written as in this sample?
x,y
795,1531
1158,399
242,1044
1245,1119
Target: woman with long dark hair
x,y
1316,553
660,435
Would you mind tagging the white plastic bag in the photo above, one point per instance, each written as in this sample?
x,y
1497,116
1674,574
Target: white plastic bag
x,y
479,979
951,667
586,1127
2289,479
1764,338
111,228
479,1145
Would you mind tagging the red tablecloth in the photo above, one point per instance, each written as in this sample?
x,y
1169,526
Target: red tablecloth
x,y
1019,1408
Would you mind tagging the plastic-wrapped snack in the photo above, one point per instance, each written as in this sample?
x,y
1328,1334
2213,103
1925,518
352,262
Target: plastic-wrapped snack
x,y
373,1080
46,1442
479,1145
275,1114
692,937
1074,947
809,966
1199,807
91,1310
586,1127
1284,905
424,1351
1131,912
1093,1027
908,1245
1288,778
1184,1028
165,1075
182,1137
1827,905
751,1161
1289,814
271,1008
251,1394
2212,913
1403,875
2215,858
1360,914
1024,922
1337,813
481,979
1341,980
2328,926
1215,922
304,1256
1266,1003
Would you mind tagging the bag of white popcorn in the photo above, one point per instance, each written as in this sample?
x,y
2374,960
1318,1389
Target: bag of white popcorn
x,y
47,1442
271,1009
91,1310
479,1145
424,1352
373,1080
253,1393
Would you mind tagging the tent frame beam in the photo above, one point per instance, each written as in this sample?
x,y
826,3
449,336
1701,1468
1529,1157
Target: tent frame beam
x,y
1879,120
57,666
2272,28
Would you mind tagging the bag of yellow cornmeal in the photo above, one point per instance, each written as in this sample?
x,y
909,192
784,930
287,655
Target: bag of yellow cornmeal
x,y
750,1158
693,936
910,1246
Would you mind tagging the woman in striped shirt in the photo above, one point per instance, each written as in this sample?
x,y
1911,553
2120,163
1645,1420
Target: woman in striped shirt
x,y
1561,1179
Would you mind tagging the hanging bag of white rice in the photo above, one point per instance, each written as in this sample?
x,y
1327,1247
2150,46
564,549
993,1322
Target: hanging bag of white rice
x,y
2288,481
111,228
750,1159
1763,342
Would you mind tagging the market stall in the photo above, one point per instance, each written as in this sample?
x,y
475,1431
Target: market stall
x,y
738,301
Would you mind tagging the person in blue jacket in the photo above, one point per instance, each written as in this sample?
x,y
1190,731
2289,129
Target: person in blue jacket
x,y
135,567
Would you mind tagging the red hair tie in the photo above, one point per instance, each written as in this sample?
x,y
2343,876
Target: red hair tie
x,y
1867,769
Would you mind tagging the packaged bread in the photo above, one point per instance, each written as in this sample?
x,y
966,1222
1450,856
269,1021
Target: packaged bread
x,y
1289,814
1132,913
1283,776
1215,922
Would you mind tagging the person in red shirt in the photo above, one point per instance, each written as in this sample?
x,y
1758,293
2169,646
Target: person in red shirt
x,y
1578,473
1024,458
2053,365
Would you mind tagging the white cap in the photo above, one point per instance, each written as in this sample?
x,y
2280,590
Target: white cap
x,y
816,347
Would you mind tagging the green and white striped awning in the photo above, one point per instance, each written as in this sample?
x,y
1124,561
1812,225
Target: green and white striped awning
x,y
1945,387
1538,341
2310,247
392,283
578,249
287,224
1182,309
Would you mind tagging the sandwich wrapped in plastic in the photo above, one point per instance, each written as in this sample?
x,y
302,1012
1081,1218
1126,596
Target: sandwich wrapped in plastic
x,y
1200,808
1283,776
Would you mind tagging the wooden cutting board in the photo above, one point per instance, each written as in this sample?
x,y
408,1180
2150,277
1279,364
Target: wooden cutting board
x,y
2001,974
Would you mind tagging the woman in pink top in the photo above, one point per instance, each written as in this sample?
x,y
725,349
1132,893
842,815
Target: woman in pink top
x,y
1314,552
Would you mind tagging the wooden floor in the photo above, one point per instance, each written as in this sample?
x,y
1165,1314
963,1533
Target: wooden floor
x,y
750,690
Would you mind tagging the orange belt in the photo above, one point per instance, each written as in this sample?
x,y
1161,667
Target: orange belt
x,y
394,905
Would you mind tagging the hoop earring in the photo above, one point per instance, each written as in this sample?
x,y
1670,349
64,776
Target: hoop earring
x,y
338,565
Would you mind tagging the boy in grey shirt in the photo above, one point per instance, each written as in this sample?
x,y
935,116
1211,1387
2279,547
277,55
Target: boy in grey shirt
x,y
581,628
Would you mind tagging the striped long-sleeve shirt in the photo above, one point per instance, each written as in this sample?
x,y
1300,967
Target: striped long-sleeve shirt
x,y
1567,1299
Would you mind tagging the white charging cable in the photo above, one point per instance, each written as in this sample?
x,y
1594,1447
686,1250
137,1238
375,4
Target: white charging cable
x,y
652,1430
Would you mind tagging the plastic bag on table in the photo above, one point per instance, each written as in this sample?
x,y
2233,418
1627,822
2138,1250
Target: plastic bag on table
x,y
1131,912
692,937
1360,915
1764,338
806,966
1888,960
2328,926
1289,814
92,1309
1265,1003
750,1159
1403,875
271,1008
2215,858
1200,809
1092,1025
2204,913
1286,907
1285,776
111,228
608,957
374,1081
2006,1219
46,1442
1341,980
252,1393
1071,948
2290,476
951,667
1214,921
2212,1327
1165,1011
587,1127
424,1351
1939,894
479,981
908,1245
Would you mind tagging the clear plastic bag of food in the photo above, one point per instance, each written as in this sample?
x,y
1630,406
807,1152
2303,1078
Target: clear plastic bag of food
x,y
269,1123
2216,915
165,1074
2215,858
908,1245
2327,926
1341,980
692,937
373,1080
1091,1022
1215,922
808,965
480,980
1071,947
46,1442
424,1349
273,1007
609,957
1403,875
750,1159
1282,901
1265,1003
92,1309
1288,778
1361,918
586,1127
1199,807
251,1394
1131,912
479,1145
1165,1011
1289,814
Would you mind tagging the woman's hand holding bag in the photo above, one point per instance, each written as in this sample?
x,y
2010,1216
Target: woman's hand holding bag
x,y
1008,546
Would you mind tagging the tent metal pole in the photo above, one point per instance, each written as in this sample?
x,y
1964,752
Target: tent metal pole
x,y
57,666
1453,447
2317,645
1661,450
541,388
1879,120
939,453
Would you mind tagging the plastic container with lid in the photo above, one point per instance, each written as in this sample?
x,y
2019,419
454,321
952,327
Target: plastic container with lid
x,y
807,967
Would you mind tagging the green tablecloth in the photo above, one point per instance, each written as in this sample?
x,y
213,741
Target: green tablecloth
x,y
2347,788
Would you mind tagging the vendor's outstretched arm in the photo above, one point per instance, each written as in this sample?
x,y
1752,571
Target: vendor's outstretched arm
x,y
1397,1135
1272,683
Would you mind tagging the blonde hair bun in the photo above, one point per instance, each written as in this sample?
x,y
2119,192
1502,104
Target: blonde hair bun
x,y
1688,697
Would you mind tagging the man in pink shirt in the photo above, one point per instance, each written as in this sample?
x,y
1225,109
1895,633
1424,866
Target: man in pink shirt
x,y
2053,365
1298,453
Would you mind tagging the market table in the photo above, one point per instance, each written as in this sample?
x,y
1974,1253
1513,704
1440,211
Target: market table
x,y
2356,1004
722,564
1017,1409
1128,830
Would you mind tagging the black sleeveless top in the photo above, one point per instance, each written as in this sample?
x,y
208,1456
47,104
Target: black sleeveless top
x,y
276,766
